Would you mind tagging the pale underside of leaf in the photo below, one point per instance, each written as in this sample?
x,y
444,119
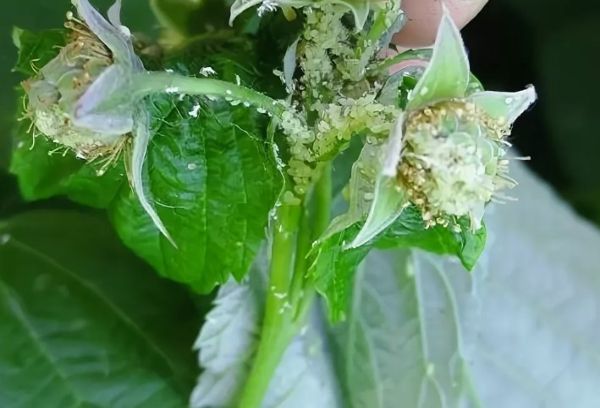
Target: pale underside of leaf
x,y
521,331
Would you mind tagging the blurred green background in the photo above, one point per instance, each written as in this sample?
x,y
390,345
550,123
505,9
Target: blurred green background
x,y
553,44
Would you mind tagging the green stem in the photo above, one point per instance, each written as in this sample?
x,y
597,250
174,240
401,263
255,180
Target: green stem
x,y
278,328
323,199
289,294
147,83
322,218
300,266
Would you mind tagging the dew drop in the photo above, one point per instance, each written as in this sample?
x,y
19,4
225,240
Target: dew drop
x,y
4,238
192,166
194,111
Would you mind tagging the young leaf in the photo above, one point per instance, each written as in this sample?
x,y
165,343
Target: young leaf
x,y
225,345
227,342
334,266
85,323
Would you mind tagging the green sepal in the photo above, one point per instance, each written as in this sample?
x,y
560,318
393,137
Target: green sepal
x,y
448,72
506,106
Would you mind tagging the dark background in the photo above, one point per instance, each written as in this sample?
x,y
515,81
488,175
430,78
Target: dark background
x,y
553,44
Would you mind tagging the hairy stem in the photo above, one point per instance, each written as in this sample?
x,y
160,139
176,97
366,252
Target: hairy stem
x,y
278,328
290,293
323,199
148,83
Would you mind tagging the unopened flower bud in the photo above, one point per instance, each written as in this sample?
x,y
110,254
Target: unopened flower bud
x,y
65,98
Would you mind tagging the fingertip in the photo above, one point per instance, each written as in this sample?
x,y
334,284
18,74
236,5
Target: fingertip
x,y
423,18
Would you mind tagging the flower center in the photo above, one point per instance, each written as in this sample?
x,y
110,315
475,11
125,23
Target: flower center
x,y
451,162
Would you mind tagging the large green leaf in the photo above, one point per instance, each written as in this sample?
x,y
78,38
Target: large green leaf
x,y
83,323
520,331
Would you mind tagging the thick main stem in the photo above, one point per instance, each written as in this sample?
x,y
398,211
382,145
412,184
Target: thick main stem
x,y
289,293
278,327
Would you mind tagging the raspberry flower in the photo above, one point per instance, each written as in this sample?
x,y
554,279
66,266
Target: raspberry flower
x,y
447,152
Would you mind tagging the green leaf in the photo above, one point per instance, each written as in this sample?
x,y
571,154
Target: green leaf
x,y
135,228
334,267
214,184
447,75
83,323
36,49
42,174
400,346
410,231
227,343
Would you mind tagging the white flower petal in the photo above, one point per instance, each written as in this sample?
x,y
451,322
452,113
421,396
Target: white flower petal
x,y
110,35
92,110
114,14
